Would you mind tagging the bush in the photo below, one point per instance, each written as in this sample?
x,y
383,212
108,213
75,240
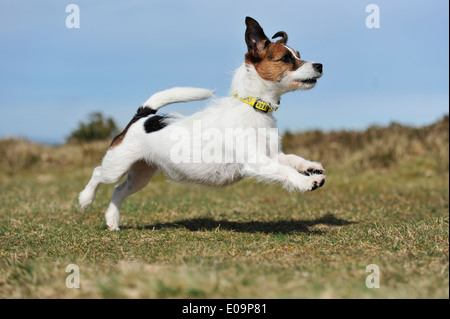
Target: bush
x,y
97,128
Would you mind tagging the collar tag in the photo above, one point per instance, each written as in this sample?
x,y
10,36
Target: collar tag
x,y
258,103
262,106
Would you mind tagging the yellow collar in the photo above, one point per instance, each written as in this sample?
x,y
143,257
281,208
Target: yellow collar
x,y
258,104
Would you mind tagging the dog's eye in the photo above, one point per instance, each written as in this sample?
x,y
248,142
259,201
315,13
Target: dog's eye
x,y
287,58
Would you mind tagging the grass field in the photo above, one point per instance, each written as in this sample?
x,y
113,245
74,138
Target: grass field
x,y
386,202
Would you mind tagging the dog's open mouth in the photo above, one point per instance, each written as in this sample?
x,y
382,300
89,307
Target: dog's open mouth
x,y
307,81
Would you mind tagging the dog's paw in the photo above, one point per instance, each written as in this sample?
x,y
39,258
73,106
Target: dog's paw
x,y
85,199
113,228
312,168
112,217
309,183
318,183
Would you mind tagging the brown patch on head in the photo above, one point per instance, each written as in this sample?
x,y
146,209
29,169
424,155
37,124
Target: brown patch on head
x,y
271,60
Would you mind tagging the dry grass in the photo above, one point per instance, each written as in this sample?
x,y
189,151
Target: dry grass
x,y
18,154
377,147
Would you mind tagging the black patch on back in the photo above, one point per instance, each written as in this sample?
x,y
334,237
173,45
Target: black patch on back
x,y
155,123
140,113
143,112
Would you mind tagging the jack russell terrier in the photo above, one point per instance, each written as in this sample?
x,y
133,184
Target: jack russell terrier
x,y
240,130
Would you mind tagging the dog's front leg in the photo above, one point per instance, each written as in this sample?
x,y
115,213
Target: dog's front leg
x,y
301,165
272,170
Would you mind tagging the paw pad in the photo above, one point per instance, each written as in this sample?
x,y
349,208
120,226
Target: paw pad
x,y
312,171
316,185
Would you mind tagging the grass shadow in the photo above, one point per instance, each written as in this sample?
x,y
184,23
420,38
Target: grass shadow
x,y
267,227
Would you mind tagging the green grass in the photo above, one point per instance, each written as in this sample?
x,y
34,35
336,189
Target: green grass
x,y
245,241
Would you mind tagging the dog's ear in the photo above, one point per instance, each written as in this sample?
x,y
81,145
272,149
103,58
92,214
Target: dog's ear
x,y
254,37
283,36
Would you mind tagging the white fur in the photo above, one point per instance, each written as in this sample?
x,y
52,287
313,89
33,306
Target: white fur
x,y
176,95
142,154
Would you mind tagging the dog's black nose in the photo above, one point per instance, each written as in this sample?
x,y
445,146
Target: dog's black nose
x,y
318,67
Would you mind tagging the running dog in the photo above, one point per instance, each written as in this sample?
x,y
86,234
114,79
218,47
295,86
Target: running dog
x,y
239,130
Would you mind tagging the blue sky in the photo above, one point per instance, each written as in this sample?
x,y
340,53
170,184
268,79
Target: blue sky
x,y
51,77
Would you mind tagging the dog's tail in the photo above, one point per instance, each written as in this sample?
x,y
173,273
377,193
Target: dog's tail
x,y
176,95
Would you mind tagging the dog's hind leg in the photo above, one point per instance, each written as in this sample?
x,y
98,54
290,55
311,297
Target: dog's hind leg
x,y
137,178
115,164
87,196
